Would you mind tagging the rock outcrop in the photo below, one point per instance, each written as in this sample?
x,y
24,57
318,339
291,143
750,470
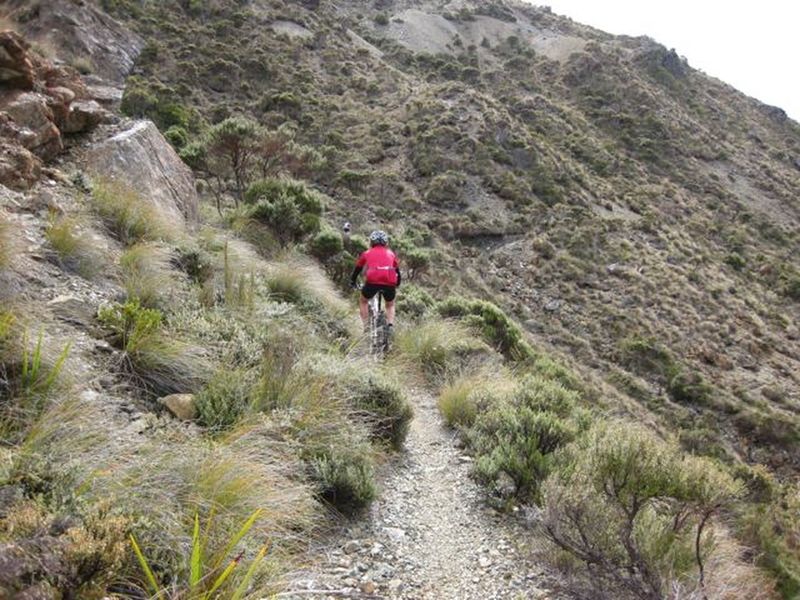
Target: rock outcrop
x,y
39,102
143,160
82,32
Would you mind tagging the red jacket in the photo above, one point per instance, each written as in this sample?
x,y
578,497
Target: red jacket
x,y
380,266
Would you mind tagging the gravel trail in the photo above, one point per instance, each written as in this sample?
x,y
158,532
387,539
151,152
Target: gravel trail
x,y
429,535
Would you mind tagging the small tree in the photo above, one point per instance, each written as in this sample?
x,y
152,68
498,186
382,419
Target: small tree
x,y
230,148
277,153
635,511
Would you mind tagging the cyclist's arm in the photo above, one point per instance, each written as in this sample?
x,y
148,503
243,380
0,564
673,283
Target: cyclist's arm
x,y
355,274
397,270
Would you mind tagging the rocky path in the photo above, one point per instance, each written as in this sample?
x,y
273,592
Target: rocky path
x,y
429,535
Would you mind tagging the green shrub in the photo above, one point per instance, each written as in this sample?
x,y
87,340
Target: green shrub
x,y
790,289
414,302
155,360
383,406
177,136
345,478
326,244
634,511
647,357
127,215
290,208
492,323
224,399
518,441
736,261
770,524
381,19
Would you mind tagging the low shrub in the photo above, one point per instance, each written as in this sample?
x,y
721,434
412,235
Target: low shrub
x,y
290,208
635,512
74,247
517,441
127,215
414,302
223,401
326,244
155,360
345,478
491,323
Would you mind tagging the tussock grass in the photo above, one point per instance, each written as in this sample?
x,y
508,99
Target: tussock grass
x,y
147,275
174,478
462,398
75,249
128,216
439,347
30,375
300,281
155,360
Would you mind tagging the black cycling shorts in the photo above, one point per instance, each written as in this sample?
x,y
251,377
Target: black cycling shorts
x,y
368,290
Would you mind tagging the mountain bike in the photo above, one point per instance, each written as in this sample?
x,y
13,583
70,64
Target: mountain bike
x,y
377,328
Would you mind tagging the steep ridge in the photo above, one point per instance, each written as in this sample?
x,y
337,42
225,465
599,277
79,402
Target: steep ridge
x,y
638,219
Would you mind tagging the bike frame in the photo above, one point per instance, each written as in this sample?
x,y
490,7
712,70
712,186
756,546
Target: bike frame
x,y
377,325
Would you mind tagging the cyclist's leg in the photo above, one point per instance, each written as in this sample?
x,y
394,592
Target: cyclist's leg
x,y
363,309
367,292
389,295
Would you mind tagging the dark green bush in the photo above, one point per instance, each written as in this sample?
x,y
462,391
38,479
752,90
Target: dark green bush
x,y
291,208
344,478
224,400
177,136
517,440
326,244
492,323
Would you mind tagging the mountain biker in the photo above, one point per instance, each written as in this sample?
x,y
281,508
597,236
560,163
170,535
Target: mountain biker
x,y
381,274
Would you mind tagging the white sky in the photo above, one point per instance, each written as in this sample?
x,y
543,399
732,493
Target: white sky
x,y
753,46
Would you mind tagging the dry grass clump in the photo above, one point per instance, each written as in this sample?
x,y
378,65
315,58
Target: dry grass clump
x,y
8,242
156,361
147,275
300,281
51,538
129,217
461,399
75,249
438,347
30,375
247,475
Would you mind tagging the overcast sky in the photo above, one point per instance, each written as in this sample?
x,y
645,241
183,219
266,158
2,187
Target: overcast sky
x,y
754,46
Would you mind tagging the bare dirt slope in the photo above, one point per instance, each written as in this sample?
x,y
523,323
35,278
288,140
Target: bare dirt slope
x,y
430,535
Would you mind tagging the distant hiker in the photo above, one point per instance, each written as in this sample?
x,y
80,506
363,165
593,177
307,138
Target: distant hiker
x,y
381,274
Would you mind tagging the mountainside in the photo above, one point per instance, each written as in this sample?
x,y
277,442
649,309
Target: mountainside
x,y
588,204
